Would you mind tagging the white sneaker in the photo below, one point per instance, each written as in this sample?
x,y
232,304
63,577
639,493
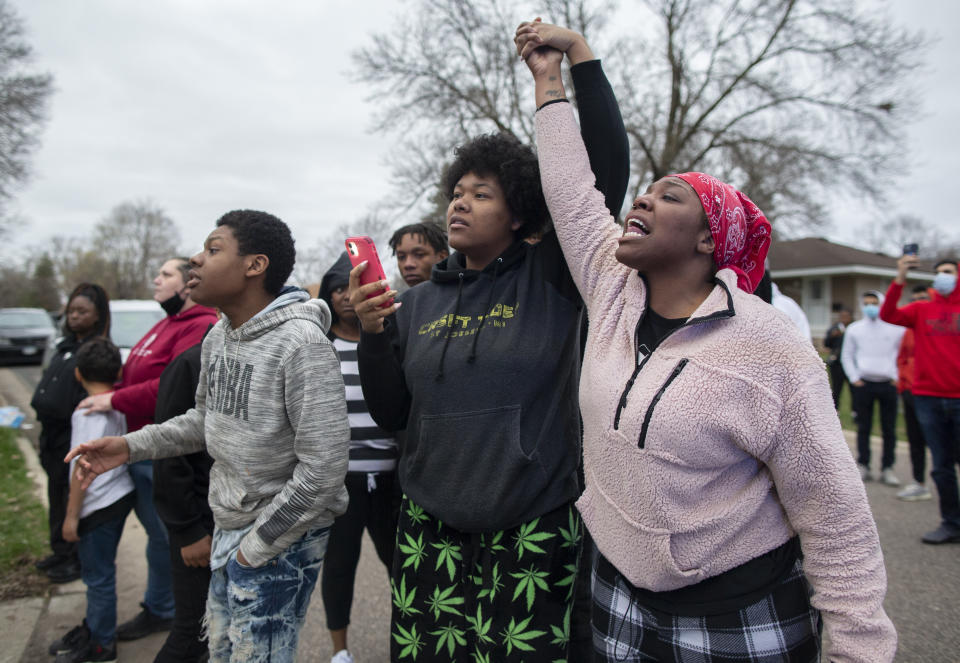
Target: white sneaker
x,y
889,478
915,492
865,473
342,656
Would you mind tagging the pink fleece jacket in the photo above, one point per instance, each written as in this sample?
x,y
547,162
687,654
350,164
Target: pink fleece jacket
x,y
728,443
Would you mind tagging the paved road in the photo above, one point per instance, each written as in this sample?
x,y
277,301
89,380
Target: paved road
x,y
923,597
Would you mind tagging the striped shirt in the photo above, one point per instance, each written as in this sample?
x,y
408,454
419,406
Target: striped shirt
x,y
372,449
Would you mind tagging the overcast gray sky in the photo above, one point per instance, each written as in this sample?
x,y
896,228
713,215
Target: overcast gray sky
x,y
206,106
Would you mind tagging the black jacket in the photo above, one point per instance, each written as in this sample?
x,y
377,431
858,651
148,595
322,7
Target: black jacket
x,y
180,483
57,396
481,367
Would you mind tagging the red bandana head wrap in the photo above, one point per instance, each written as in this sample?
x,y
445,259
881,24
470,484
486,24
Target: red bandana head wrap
x,y
740,230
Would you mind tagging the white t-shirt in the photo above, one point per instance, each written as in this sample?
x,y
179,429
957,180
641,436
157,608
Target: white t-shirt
x,y
787,305
112,484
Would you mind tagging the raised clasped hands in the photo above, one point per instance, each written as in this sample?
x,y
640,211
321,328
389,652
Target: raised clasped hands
x,y
540,44
98,456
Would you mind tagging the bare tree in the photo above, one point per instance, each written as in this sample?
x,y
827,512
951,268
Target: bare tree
x,y
449,72
891,235
31,284
312,263
23,102
75,261
134,240
788,99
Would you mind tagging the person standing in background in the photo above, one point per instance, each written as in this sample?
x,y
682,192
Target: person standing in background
x,y
87,316
180,486
936,384
834,343
869,357
96,515
917,490
418,247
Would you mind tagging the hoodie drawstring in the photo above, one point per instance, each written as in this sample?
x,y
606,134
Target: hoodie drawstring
x,y
486,311
446,342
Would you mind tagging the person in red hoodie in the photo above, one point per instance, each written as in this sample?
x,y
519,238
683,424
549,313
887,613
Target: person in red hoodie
x,y
136,396
936,384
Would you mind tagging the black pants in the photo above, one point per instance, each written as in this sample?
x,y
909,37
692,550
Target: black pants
x,y
58,492
374,508
581,628
190,585
864,397
918,446
838,378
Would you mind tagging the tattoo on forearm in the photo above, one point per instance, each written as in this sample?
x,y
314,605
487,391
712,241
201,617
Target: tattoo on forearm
x,y
554,93
553,78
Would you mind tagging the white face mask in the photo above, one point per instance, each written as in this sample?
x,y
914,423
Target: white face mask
x,y
944,283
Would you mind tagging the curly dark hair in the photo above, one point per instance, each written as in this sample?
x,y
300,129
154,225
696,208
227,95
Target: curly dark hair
x,y
515,167
431,233
259,232
98,360
101,302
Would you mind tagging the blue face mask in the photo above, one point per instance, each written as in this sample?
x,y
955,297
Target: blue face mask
x,y
944,283
871,311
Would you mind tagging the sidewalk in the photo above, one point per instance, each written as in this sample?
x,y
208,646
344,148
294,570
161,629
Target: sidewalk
x,y
31,624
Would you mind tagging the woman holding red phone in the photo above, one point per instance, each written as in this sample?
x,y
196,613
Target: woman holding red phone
x,y
478,368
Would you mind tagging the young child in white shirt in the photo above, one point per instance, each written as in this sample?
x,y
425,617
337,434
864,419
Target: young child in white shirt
x,y
95,516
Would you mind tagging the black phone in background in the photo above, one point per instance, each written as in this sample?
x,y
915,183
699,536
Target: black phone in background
x,y
910,249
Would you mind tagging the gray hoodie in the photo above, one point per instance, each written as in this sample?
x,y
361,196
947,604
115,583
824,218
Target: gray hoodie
x,y
270,405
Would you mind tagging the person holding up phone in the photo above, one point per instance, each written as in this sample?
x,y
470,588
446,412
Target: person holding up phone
x,y
936,383
479,366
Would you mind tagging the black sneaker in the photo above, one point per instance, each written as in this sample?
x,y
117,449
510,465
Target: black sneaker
x,y
50,561
65,572
143,625
92,652
943,534
76,638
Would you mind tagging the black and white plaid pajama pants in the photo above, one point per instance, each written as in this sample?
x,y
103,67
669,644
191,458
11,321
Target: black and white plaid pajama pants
x,y
782,626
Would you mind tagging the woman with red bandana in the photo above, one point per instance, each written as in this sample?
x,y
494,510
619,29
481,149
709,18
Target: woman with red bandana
x,y
727,512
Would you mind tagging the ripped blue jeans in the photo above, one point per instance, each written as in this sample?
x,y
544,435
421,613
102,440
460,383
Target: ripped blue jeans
x,y
255,614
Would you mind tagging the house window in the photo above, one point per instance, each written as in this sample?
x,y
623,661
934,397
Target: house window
x,y
816,289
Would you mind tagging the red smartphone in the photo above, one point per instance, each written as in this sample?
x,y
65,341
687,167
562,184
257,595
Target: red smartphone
x,y
362,248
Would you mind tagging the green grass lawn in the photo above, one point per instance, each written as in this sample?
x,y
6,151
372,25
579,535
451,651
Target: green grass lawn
x,y
23,524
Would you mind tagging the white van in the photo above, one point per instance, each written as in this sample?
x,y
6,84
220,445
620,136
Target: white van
x,y
130,320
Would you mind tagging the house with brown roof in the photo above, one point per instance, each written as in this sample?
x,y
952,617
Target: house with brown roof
x,y
825,277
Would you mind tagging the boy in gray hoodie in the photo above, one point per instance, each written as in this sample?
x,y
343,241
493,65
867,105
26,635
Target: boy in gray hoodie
x,y
270,409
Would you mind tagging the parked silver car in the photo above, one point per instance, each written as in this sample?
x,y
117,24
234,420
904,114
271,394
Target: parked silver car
x,y
24,334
